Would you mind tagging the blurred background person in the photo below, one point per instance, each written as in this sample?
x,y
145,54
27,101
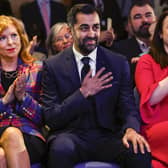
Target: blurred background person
x,y
21,141
15,6
126,4
152,30
38,16
59,38
5,8
152,84
141,16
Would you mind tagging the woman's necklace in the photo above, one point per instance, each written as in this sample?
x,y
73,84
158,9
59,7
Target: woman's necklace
x,y
10,74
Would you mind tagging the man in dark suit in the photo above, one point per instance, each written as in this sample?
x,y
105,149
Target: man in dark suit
x,y
91,117
141,16
31,14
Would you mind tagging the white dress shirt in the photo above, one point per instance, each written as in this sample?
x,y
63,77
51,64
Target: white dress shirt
x,y
143,46
92,62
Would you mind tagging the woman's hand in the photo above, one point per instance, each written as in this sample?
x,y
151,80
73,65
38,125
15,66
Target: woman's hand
x,y
135,60
33,43
9,96
20,86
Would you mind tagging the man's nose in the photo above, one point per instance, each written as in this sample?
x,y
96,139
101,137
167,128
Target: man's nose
x,y
91,33
144,19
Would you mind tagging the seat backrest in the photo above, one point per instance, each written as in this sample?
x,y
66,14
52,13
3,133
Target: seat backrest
x,y
96,164
36,165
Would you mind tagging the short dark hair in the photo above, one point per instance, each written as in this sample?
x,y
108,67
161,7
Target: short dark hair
x,y
139,3
157,50
80,8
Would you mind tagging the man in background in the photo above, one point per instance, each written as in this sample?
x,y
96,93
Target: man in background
x,y
141,16
38,16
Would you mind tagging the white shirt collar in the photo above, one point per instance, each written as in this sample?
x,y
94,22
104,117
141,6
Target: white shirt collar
x,y
143,46
92,62
79,56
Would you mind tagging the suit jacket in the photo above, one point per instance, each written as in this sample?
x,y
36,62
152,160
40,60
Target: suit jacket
x,y
25,115
64,104
32,18
5,8
130,48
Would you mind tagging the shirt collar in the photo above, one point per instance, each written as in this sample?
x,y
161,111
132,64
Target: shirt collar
x,y
79,56
141,43
143,46
40,2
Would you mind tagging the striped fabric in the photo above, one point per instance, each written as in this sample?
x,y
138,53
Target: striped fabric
x,y
25,115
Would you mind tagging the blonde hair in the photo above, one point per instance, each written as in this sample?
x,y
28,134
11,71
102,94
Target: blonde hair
x,y
5,22
55,29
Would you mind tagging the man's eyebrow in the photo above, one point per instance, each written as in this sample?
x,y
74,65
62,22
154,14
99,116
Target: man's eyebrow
x,y
83,25
137,14
147,13
96,24
140,14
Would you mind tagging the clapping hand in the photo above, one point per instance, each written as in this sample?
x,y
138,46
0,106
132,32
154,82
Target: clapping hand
x,y
33,43
20,85
9,96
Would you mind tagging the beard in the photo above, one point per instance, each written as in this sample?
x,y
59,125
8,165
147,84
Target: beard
x,y
86,47
143,31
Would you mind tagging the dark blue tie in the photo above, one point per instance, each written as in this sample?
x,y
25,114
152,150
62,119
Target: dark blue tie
x,y
89,121
85,68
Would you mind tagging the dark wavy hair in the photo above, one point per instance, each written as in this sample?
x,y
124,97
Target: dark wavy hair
x,y
80,8
139,4
157,50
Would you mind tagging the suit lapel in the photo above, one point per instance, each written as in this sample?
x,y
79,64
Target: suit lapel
x,y
37,10
52,10
135,49
39,15
101,62
71,68
99,59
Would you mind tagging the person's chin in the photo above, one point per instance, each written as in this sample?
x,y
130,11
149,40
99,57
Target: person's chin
x,y
91,45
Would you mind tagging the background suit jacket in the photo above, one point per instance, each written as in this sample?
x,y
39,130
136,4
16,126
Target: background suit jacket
x,y
5,8
32,18
64,104
130,48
